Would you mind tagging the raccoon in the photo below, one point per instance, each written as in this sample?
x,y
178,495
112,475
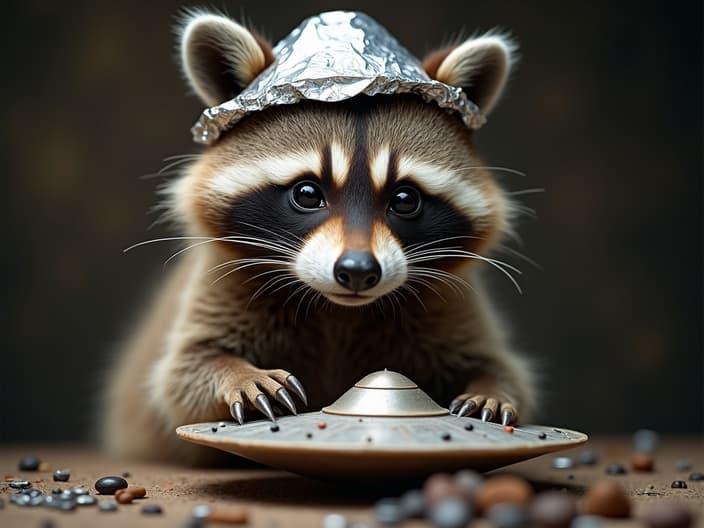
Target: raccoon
x,y
324,241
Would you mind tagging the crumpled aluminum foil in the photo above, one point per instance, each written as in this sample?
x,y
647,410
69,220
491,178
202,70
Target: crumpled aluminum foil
x,y
332,57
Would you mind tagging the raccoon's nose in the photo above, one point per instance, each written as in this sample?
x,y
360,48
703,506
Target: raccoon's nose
x,y
357,270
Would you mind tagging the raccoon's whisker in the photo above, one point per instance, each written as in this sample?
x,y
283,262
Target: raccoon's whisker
x,y
166,239
295,292
521,256
284,231
428,285
262,243
165,170
264,260
521,192
414,292
243,266
181,156
188,248
264,273
500,169
413,247
270,283
451,281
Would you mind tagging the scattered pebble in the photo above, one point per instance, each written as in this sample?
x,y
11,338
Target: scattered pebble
x,y
62,475
152,509
413,503
125,474
587,458
469,482
562,463
439,487
334,520
214,429
222,424
668,515
615,469
107,506
446,436
450,513
696,476
642,461
200,511
20,484
678,484
503,488
78,490
322,425
389,511
86,500
683,465
274,428
542,436
607,499
29,463
553,509
56,491
645,440
505,515
309,435
109,485
468,427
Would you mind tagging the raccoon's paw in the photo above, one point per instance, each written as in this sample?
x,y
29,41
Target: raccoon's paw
x,y
253,390
492,408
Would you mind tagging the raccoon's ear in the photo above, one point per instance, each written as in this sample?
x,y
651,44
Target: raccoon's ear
x,y
480,66
219,57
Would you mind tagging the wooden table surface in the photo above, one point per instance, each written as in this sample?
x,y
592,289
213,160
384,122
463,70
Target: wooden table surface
x,y
279,499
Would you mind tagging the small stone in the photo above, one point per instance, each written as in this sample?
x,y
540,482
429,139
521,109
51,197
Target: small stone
x,y
615,469
78,490
107,506
62,475
505,515
125,474
201,511
642,461
678,484
214,429
369,439
542,436
68,505
587,521
469,482
222,424
389,511
20,500
29,463
446,437
696,476
503,488
334,520
468,427
413,503
20,484
86,500
645,440
439,487
683,465
606,498
450,513
309,435
56,491
562,463
668,515
587,458
33,492
274,428
553,509
152,509
109,485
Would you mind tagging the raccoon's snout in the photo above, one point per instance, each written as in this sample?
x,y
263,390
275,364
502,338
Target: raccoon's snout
x,y
357,270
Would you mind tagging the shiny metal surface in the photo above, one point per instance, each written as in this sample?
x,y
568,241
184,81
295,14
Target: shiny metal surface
x,y
332,57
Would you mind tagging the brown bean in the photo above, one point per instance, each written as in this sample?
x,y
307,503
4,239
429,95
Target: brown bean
x,y
228,515
606,498
137,492
125,497
502,489
642,461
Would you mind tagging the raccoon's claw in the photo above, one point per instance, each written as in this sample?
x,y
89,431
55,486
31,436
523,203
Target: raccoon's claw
x,y
295,386
283,397
489,408
237,412
261,402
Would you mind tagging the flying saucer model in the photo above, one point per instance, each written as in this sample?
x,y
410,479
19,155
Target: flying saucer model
x,y
385,427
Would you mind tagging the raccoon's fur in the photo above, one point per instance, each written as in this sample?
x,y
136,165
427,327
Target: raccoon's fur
x,y
331,240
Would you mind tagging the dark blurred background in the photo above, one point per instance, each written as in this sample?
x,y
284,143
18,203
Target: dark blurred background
x,y
604,113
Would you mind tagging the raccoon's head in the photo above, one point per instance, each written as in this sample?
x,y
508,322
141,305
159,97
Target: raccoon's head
x,y
352,200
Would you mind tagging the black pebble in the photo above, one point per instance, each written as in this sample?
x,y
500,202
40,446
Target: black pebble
x,y
447,437
214,429
109,485
151,509
126,474
615,469
62,475
678,484
274,428
56,491
29,463
542,436
587,458
696,476
369,439
20,484
468,427
309,435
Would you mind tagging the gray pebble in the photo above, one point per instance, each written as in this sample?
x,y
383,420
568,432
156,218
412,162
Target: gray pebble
x,y
77,491
615,469
389,511
645,440
469,481
683,465
562,463
334,520
56,491
587,521
29,463
62,475
67,505
413,503
450,513
20,500
507,515
107,506
152,509
587,458
200,511
86,500
33,492
36,501
222,424
20,484
696,476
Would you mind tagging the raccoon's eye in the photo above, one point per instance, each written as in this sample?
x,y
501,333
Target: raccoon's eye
x,y
307,196
406,202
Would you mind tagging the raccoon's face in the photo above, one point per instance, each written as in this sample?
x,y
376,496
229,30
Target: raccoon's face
x,y
351,200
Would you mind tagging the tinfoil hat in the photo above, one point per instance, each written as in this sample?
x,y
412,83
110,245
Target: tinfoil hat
x,y
332,57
